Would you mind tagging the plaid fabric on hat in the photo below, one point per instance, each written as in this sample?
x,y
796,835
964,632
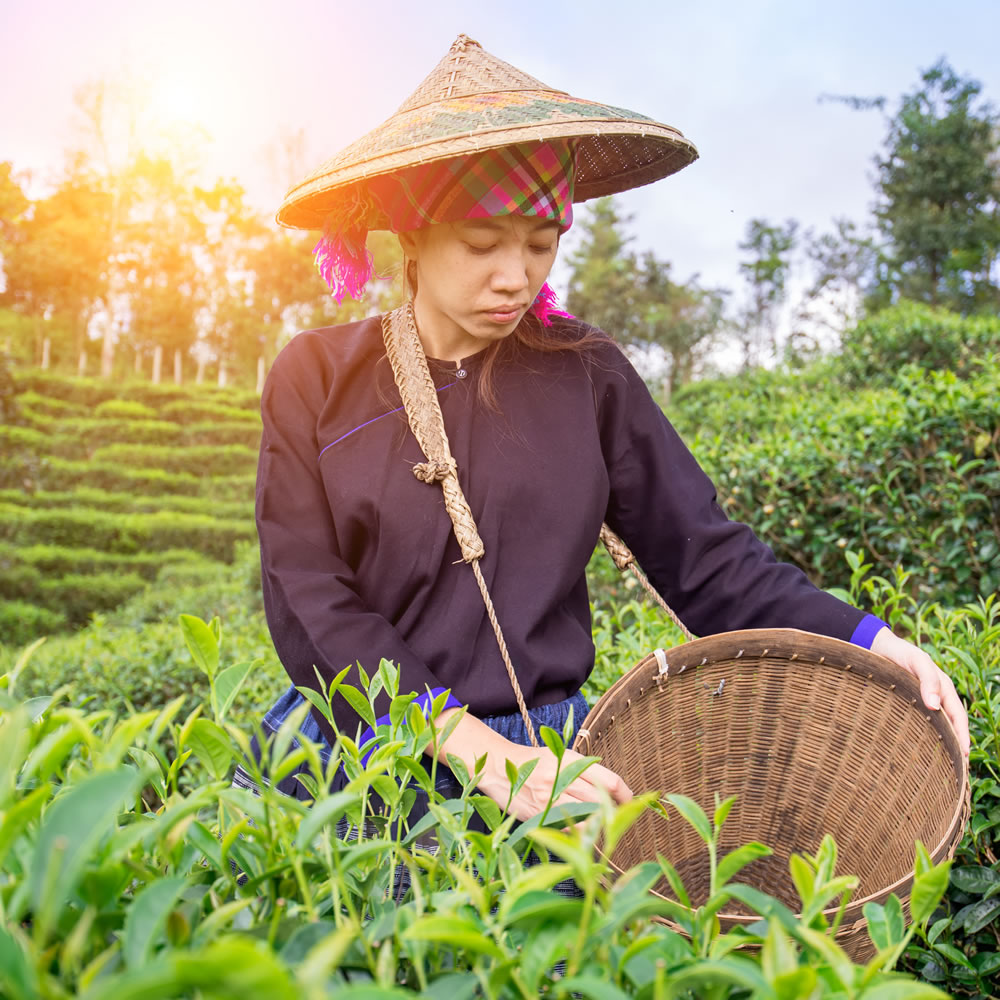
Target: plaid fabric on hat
x,y
533,179
530,179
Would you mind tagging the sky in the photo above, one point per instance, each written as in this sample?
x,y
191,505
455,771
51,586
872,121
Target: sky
x,y
741,79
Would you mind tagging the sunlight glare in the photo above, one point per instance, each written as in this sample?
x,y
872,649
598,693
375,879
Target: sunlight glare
x,y
178,98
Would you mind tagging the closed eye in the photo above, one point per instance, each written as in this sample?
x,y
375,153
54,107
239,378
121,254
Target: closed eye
x,y
474,248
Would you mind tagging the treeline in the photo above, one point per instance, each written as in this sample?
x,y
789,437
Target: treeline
x,y
128,265
933,237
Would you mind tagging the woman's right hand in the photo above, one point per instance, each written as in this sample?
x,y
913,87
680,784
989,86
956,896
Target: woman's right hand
x,y
472,738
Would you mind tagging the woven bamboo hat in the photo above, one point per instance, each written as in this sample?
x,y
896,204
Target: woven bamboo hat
x,y
473,101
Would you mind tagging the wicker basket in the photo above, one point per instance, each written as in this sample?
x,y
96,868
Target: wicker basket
x,y
812,734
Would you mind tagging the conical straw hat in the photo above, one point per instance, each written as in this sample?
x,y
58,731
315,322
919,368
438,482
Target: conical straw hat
x,y
473,101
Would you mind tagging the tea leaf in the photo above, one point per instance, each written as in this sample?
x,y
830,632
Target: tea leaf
x,y
903,989
358,702
886,926
722,810
211,746
202,642
736,860
553,741
974,878
453,986
147,917
928,888
542,904
976,916
591,986
778,956
229,682
18,973
19,817
455,932
693,813
322,813
71,829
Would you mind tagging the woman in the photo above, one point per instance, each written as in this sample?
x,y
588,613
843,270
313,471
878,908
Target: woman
x,y
551,430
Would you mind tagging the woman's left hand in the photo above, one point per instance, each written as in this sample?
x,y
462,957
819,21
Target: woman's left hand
x,y
936,687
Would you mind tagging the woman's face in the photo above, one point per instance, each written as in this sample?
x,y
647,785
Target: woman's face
x,y
476,278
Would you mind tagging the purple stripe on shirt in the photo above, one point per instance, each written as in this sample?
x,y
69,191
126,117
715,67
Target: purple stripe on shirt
x,y
388,413
868,628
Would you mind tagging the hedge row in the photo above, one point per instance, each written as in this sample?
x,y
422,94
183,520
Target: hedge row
x,y
21,622
911,473
123,533
197,460
78,436
91,392
60,560
74,596
127,503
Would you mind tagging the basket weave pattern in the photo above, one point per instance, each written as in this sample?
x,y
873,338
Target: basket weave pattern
x,y
812,734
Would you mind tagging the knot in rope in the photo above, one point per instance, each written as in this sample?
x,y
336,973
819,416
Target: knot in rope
x,y
435,470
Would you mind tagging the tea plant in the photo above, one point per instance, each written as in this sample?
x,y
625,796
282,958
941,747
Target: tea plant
x,y
131,868
962,946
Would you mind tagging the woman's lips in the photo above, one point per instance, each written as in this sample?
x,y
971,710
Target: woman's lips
x,y
506,314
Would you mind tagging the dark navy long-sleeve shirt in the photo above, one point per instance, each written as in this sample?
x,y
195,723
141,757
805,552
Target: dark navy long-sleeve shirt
x,y
359,561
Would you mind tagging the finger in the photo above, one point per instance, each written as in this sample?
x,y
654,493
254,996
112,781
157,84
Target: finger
x,y
956,713
610,781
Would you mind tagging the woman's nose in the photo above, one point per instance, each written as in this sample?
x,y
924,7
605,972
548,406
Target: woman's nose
x,y
511,274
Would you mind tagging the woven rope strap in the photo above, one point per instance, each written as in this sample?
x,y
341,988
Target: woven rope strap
x,y
622,557
423,412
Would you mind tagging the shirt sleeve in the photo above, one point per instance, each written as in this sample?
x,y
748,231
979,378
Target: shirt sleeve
x,y
714,572
314,611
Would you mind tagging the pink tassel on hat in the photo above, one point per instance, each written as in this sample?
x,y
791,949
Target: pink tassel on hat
x,y
345,263
342,255
546,305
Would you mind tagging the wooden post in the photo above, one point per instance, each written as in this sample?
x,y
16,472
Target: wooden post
x,y
157,363
107,353
46,354
260,375
178,369
222,374
81,365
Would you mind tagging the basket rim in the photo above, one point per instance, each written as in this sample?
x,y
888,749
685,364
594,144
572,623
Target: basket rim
x,y
787,642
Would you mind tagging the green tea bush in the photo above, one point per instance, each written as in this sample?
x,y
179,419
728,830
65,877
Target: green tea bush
x,y
223,433
21,622
94,433
127,503
125,409
911,332
196,411
60,560
124,533
77,596
910,473
34,403
197,460
66,474
131,868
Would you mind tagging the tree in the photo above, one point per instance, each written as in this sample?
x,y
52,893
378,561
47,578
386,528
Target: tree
x,y
938,191
844,266
766,271
603,279
55,257
672,325
681,320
